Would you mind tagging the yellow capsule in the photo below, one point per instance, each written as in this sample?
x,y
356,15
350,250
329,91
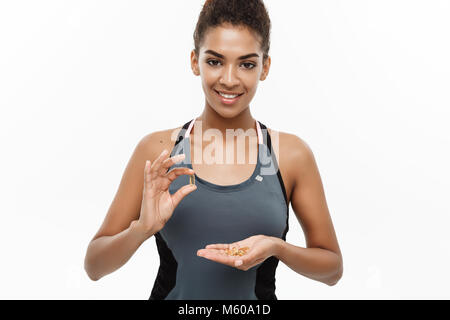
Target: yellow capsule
x,y
192,179
236,251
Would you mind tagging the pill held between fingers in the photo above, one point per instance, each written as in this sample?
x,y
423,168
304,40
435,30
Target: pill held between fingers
x,y
192,179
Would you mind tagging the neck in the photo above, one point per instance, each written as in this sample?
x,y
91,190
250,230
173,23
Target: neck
x,y
210,119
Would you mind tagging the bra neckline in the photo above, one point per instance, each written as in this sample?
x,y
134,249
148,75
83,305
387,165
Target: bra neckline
x,y
219,187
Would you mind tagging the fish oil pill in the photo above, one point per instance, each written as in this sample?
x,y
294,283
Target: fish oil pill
x,y
192,179
236,252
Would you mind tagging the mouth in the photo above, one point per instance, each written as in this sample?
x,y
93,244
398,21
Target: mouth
x,y
228,98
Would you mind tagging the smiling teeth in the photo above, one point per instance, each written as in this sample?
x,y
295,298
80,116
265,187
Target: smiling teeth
x,y
229,96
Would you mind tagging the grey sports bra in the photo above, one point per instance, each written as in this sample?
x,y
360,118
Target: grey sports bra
x,y
221,214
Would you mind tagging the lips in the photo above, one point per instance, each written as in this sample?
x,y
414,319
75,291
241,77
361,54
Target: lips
x,y
238,94
228,101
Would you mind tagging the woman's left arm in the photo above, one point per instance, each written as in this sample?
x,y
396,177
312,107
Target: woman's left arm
x,y
322,259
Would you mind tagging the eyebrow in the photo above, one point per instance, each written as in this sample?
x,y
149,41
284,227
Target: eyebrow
x,y
240,58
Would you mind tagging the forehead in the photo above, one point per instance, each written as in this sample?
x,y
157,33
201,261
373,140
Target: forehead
x,y
231,40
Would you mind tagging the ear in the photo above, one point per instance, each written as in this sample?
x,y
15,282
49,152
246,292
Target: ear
x,y
194,63
265,70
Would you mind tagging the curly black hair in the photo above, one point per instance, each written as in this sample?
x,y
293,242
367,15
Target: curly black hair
x,y
248,13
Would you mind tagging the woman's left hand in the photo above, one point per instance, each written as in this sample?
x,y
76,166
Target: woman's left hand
x,y
261,247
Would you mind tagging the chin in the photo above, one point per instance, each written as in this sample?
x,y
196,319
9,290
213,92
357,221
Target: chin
x,y
230,113
224,110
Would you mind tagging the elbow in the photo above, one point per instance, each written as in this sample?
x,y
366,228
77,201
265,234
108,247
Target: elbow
x,y
337,277
334,282
89,272
88,268
92,277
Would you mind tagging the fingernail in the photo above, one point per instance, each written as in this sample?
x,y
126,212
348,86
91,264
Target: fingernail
x,y
238,263
164,152
179,157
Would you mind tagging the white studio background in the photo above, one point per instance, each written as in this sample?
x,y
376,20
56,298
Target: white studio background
x,y
364,83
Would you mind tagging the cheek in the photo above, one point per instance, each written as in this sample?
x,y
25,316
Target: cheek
x,y
209,78
208,85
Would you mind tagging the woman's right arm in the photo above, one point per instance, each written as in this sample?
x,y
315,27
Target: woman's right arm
x,y
106,254
141,207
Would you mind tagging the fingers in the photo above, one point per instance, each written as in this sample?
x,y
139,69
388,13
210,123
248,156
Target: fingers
x,y
217,252
237,244
218,246
158,169
217,255
157,163
182,192
167,163
162,163
147,173
175,172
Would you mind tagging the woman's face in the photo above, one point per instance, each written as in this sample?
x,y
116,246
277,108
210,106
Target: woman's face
x,y
222,67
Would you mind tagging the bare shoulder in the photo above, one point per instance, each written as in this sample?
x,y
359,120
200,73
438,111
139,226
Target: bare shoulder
x,y
296,148
155,142
293,155
298,153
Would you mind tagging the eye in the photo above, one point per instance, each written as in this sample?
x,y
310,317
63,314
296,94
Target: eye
x,y
208,62
248,63
252,65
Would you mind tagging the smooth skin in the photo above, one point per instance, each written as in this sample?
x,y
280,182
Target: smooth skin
x,y
129,223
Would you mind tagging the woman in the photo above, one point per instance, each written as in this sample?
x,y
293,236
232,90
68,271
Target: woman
x,y
220,229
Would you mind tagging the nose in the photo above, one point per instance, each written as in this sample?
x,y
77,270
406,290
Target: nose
x,y
228,78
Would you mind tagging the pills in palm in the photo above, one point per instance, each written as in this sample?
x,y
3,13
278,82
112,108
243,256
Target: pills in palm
x,y
236,251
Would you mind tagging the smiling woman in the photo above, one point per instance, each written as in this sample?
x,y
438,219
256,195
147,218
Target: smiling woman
x,y
224,31
220,229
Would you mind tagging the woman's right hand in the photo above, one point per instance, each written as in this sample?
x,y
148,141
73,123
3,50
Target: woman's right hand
x,y
157,202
